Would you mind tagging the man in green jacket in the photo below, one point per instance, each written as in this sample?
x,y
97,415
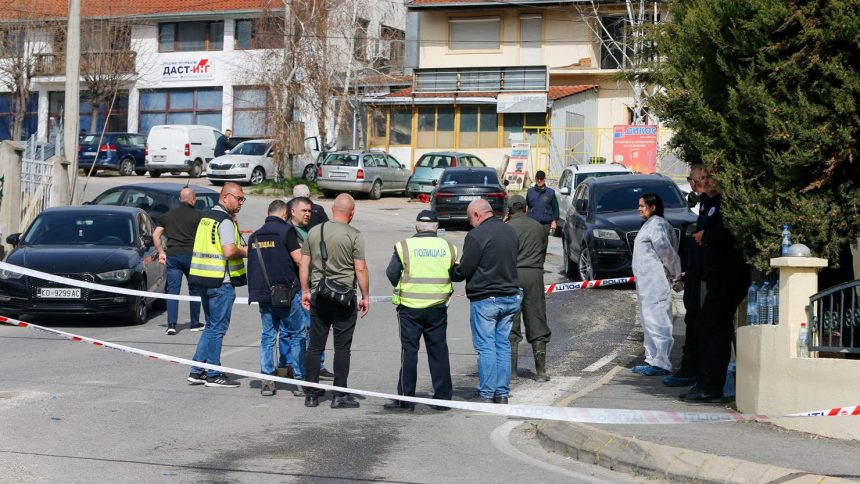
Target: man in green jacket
x,y
531,254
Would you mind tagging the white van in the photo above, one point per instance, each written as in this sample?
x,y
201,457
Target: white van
x,y
180,148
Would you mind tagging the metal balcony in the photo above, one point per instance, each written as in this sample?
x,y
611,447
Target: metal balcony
x,y
92,63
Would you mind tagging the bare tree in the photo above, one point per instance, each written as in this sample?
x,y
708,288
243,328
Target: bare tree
x,y
622,33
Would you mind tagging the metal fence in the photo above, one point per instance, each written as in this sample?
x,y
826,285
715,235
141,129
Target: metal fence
x,y
37,177
834,318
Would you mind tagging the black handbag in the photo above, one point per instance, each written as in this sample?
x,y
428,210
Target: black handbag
x,y
280,294
328,291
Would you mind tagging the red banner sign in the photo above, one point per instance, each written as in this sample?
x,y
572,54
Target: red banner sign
x,y
635,147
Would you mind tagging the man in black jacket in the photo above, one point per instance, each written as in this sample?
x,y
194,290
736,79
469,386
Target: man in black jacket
x,y
489,267
318,214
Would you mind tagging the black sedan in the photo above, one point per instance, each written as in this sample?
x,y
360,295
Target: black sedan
x,y
155,198
101,245
603,221
457,187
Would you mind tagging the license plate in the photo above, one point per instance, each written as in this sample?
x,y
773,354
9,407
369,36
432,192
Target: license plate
x,y
338,175
90,153
60,292
469,198
217,172
158,157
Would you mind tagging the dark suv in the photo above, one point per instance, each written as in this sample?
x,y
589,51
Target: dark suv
x,y
603,221
123,152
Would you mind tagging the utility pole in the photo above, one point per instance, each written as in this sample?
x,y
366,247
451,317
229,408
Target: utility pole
x,y
71,118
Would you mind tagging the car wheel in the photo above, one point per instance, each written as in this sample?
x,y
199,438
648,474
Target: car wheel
x,y
376,190
196,169
570,269
586,265
126,167
257,176
140,172
310,173
154,173
137,315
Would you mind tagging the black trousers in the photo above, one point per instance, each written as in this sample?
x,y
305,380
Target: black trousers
x,y
692,305
341,320
716,328
432,324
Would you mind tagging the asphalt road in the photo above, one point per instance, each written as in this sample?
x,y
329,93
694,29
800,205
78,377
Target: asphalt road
x,y
73,412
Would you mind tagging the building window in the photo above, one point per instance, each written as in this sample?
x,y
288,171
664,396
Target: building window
x,y
359,46
7,116
180,106
479,127
514,124
260,33
613,43
12,42
250,105
378,127
400,130
530,39
117,122
190,36
477,33
390,48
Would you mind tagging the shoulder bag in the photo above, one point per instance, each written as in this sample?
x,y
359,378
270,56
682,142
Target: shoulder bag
x,y
329,291
280,294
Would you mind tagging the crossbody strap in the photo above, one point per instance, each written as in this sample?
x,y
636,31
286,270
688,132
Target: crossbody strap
x,y
323,249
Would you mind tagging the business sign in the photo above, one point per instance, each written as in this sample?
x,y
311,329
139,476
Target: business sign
x,y
635,147
521,103
187,70
516,173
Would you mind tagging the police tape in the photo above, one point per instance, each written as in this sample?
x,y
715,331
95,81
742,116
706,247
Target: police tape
x,y
540,412
4,266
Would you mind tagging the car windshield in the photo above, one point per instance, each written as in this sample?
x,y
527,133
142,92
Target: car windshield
x,y
341,159
469,177
62,228
618,198
249,148
582,176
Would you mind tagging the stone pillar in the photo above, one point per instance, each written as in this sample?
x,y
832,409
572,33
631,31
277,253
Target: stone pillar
x,y
10,203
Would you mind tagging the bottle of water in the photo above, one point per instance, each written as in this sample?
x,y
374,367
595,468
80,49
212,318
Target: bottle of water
x,y
803,342
763,296
752,305
774,302
786,240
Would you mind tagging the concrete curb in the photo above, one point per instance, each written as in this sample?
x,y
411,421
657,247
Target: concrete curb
x,y
631,455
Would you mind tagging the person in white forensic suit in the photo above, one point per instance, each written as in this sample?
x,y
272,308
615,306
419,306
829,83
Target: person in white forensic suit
x,y
657,267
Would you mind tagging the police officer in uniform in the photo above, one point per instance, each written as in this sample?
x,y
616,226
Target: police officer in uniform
x,y
216,270
542,203
531,254
419,273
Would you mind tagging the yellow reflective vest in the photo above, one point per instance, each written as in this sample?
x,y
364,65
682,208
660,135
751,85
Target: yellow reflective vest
x,y
424,281
208,263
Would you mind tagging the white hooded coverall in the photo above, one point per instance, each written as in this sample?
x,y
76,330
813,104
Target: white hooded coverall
x,y
655,258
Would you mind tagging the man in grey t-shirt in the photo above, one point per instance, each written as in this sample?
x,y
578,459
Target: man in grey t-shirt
x,y
345,265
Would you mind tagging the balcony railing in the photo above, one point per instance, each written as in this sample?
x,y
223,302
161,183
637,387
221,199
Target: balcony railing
x,y
92,63
834,317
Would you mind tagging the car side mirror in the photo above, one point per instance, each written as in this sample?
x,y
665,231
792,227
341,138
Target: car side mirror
x,y
693,199
13,240
582,206
147,241
227,152
506,182
435,182
564,191
270,154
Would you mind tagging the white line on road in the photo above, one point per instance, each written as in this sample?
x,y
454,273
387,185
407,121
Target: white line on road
x,y
601,362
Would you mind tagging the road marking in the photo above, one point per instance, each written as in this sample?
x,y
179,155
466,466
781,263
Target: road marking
x,y
601,362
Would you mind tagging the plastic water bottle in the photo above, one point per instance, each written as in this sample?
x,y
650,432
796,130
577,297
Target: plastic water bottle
x,y
763,296
803,342
752,305
786,240
774,303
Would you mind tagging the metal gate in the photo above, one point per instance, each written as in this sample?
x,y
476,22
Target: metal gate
x,y
37,177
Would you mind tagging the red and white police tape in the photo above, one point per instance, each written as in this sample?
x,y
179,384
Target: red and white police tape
x,y
567,414
4,266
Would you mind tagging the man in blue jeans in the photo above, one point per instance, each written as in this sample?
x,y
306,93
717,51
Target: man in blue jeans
x,y
179,226
270,262
489,267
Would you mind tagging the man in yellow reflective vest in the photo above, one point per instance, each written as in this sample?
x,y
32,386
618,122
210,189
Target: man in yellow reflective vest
x,y
216,270
419,273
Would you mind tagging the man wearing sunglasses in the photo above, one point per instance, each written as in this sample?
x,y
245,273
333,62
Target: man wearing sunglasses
x,y
216,270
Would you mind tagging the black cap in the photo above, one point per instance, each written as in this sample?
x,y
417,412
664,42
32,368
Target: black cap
x,y
426,216
517,203
540,175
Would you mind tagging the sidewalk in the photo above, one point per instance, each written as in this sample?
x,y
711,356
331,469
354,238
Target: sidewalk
x,y
707,452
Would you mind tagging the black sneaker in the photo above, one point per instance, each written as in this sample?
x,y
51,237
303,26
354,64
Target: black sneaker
x,y
197,378
171,330
326,375
221,381
344,401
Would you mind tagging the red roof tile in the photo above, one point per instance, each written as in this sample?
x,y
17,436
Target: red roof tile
x,y
558,92
555,92
37,9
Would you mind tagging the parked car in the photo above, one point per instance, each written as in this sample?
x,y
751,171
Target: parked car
x,y
603,221
457,187
180,148
156,199
572,176
249,162
123,152
371,172
430,166
101,245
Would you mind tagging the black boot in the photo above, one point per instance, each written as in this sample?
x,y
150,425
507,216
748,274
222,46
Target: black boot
x,y
514,348
539,349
